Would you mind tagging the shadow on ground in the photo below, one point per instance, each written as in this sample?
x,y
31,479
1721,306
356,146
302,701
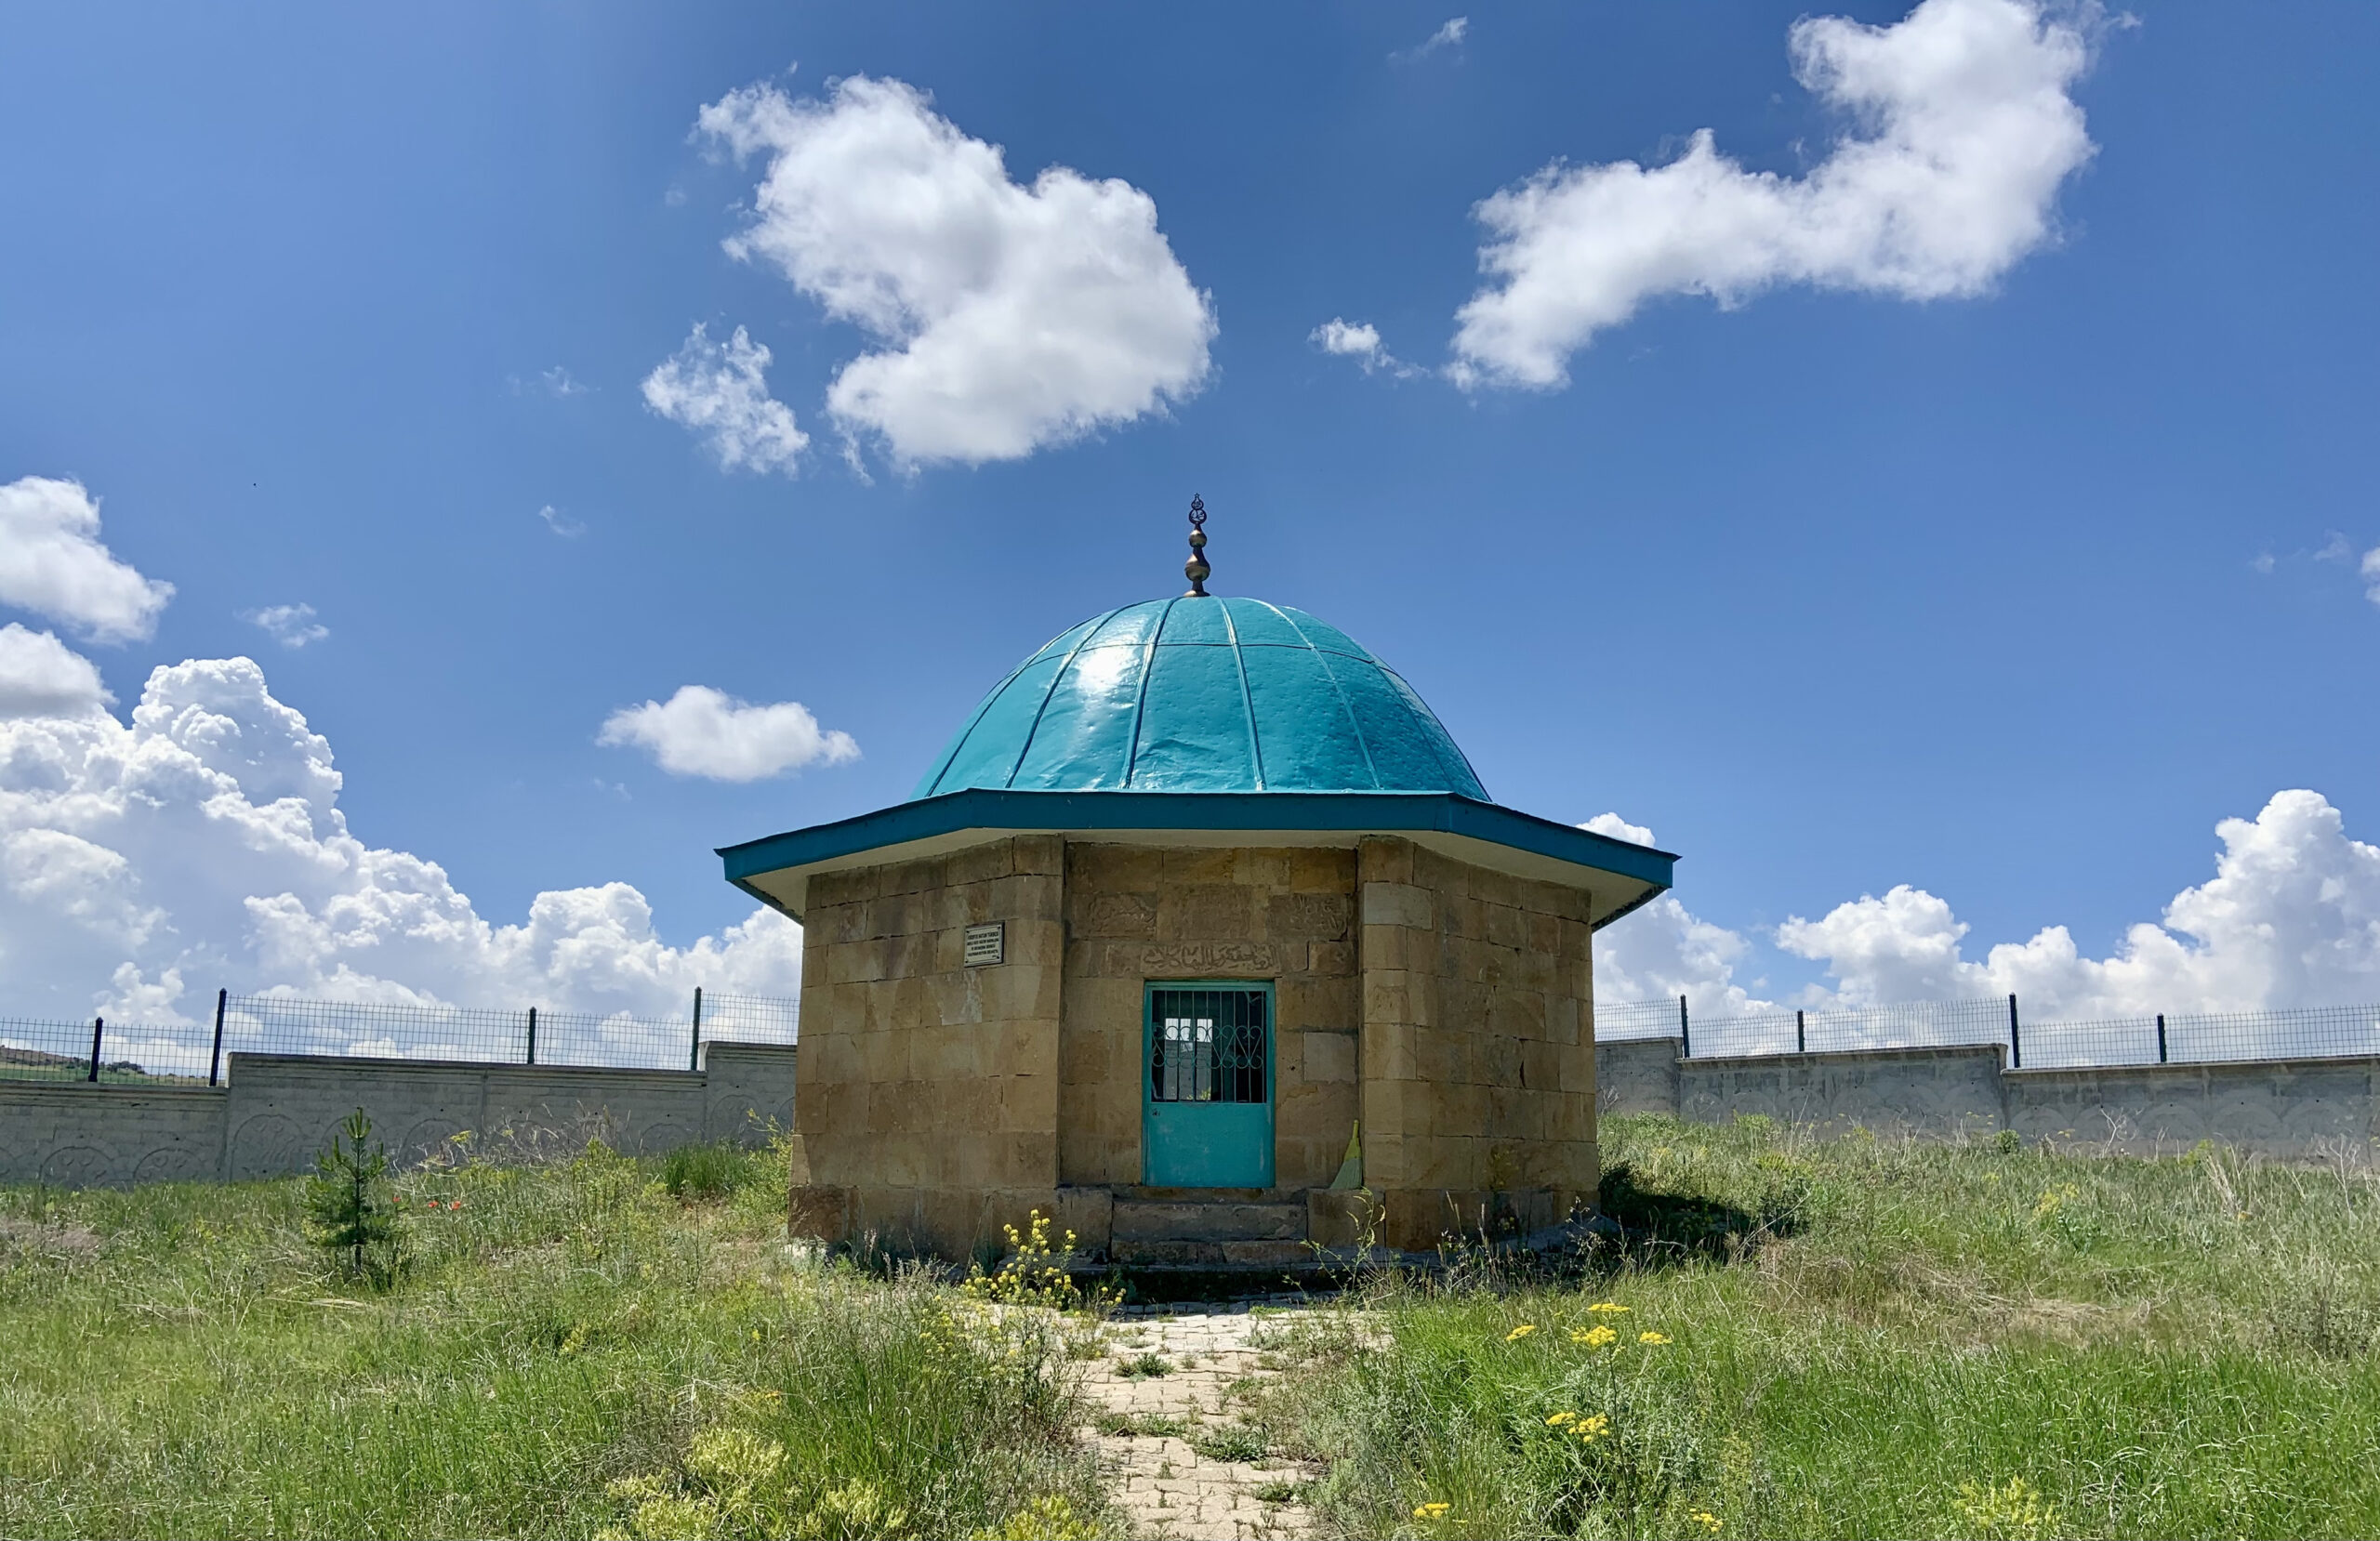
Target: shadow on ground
x,y
1658,1227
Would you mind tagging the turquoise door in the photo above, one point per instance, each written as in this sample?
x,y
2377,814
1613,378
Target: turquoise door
x,y
1208,1092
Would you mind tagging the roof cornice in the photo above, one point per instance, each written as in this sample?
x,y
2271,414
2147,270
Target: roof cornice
x,y
997,812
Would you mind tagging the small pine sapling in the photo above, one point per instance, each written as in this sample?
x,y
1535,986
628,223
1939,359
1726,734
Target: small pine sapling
x,y
352,1211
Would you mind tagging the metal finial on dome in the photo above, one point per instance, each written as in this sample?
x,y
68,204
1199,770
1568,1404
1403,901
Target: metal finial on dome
x,y
1196,568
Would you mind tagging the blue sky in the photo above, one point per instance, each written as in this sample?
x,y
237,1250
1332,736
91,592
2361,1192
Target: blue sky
x,y
2010,594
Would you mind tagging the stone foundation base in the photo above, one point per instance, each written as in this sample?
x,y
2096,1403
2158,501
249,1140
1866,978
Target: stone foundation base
x,y
1420,1220
1129,1225
955,1224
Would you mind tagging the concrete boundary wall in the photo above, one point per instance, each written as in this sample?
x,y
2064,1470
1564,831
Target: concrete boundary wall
x,y
278,1110
2276,1107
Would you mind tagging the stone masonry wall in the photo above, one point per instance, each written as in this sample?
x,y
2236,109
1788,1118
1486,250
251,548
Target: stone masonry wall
x,y
1478,1056
928,1101
1138,913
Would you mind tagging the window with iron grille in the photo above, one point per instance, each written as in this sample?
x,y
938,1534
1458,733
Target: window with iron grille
x,y
1206,1043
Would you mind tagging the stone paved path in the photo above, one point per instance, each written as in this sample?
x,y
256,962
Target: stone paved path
x,y
1163,1483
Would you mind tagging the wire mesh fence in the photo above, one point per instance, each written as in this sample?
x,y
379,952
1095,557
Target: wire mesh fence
x,y
199,1052
2301,1033
750,1020
1625,1019
35,1049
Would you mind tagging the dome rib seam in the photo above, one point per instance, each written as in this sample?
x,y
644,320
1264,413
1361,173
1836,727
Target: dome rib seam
x,y
1247,701
1414,698
1338,690
1141,701
1047,696
933,783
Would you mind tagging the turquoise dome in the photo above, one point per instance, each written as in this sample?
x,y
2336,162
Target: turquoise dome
x,y
1203,694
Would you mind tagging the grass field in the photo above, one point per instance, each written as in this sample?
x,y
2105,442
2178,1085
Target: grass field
x,y
574,1348
1856,1338
1849,1338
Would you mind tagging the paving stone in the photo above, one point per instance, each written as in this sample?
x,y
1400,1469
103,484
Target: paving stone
x,y
1163,1485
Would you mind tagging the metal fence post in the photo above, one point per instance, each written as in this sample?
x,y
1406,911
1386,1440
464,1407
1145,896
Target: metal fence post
x,y
2016,1047
694,1053
532,1035
99,1025
2160,1037
215,1061
1684,1043
1801,1039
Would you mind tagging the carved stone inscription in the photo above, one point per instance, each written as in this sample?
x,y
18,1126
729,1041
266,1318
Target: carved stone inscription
x,y
1122,914
1198,959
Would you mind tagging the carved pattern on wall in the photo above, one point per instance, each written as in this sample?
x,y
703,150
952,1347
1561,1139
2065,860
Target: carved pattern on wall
x,y
75,1167
1121,915
268,1145
745,1120
655,1138
425,1140
1201,959
1319,915
174,1163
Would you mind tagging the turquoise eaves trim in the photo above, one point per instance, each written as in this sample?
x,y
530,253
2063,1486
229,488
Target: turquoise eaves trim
x,y
1266,813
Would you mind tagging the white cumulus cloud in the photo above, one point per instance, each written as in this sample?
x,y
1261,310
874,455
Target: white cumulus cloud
x,y
42,677
1010,316
2372,574
1361,342
291,625
2291,917
144,863
1662,950
52,562
700,731
720,390
1962,131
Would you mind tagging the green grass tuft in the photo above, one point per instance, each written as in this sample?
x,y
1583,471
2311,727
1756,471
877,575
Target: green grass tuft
x,y
1230,1441
1871,1337
712,1171
1145,1426
575,1349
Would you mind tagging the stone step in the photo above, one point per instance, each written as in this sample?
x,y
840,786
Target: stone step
x,y
1164,1253
1191,1220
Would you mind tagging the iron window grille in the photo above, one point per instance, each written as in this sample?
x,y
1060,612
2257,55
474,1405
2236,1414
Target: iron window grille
x,y
1208,1044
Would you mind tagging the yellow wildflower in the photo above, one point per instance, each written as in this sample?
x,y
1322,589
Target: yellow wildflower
x,y
1706,1519
1594,1337
1520,1332
1608,1308
1429,1511
2017,1509
1558,1419
1652,1337
1592,1428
